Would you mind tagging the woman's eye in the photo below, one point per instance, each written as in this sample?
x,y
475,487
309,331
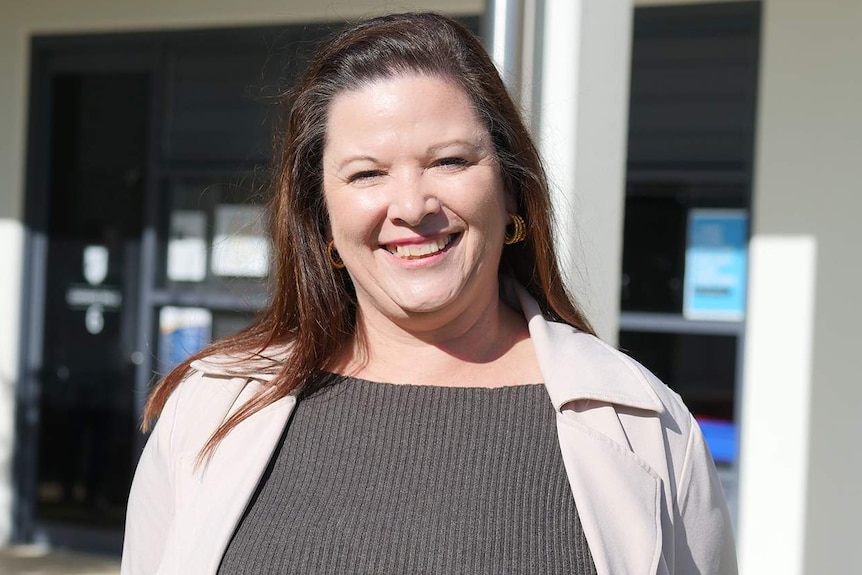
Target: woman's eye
x,y
364,175
453,162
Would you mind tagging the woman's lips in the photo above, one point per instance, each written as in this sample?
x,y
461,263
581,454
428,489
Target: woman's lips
x,y
419,250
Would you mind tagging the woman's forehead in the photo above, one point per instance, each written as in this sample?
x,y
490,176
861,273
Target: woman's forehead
x,y
412,104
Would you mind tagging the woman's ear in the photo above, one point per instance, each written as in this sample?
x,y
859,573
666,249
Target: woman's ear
x,y
511,202
326,229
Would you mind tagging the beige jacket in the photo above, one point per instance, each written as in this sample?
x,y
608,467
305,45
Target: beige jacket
x,y
643,481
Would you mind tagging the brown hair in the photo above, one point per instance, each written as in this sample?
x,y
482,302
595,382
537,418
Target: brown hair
x,y
313,307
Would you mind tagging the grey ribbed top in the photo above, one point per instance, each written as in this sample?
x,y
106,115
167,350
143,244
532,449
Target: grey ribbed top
x,y
396,479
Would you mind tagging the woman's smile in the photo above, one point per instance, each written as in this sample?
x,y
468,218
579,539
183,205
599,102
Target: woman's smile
x,y
412,250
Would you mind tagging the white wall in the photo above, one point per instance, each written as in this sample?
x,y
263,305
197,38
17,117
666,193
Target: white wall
x,y
13,91
11,245
19,20
808,184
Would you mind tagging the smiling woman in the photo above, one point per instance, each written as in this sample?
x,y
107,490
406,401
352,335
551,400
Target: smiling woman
x,y
422,395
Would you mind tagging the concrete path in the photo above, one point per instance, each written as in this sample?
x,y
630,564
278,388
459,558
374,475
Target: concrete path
x,y
38,560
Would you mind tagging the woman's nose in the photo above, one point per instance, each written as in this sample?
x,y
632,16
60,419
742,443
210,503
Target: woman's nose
x,y
412,200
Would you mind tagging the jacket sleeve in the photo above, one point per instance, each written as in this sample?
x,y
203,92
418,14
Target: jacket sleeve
x,y
150,512
704,541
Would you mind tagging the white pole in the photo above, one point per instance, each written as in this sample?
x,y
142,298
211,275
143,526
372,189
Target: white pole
x,y
503,34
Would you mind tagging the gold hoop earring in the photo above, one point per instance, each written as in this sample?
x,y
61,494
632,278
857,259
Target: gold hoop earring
x,y
334,258
519,233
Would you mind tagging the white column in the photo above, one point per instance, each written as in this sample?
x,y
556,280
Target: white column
x,y
775,404
580,100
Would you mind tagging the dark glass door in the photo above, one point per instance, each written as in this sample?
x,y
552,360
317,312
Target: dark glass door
x,y
95,188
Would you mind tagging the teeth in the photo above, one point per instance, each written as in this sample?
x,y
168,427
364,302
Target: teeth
x,y
421,250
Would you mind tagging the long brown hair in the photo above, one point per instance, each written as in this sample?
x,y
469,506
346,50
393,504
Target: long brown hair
x,y
313,307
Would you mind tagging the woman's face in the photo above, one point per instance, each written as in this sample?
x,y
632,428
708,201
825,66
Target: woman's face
x,y
415,198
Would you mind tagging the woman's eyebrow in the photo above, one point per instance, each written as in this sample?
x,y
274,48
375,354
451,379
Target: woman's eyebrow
x,y
473,145
355,158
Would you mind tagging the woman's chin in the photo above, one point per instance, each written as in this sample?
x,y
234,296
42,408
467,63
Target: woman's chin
x,y
425,305
406,304
438,298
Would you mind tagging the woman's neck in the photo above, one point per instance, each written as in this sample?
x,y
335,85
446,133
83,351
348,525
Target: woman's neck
x,y
484,347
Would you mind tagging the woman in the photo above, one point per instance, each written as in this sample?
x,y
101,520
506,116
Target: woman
x,y
422,395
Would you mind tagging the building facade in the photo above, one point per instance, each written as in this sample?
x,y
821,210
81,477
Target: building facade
x,y
705,165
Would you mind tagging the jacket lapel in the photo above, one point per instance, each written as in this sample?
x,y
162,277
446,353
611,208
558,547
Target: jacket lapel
x,y
577,366
616,495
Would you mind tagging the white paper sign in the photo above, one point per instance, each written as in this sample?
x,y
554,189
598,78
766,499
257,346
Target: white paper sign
x,y
240,247
187,246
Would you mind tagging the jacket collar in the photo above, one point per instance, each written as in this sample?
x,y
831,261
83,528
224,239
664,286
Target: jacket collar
x,y
561,350
577,366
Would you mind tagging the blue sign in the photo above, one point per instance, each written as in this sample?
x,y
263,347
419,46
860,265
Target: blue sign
x,y
183,331
716,263
721,437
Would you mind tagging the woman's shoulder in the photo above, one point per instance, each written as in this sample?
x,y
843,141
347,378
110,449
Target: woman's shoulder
x,y
212,388
624,402
655,421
